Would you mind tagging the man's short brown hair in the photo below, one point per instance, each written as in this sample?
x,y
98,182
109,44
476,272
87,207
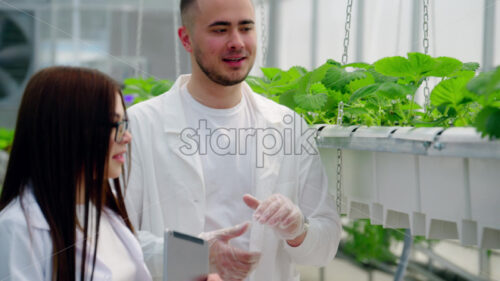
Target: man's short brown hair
x,y
186,11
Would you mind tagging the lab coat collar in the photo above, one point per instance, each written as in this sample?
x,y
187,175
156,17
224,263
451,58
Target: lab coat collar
x,y
125,236
32,211
174,120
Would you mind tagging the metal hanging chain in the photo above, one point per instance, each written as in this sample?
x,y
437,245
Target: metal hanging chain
x,y
340,113
347,31
426,27
426,50
340,116
176,42
263,32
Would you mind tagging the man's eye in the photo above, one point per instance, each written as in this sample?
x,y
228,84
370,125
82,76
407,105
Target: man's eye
x,y
219,30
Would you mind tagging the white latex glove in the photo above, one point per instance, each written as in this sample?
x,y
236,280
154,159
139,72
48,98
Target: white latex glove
x,y
280,213
231,263
214,277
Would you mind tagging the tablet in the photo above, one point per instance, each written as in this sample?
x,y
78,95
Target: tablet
x,y
185,257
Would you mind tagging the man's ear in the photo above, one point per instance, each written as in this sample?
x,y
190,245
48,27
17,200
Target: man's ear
x,y
185,39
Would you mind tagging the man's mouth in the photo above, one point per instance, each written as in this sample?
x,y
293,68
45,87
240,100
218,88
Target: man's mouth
x,y
238,59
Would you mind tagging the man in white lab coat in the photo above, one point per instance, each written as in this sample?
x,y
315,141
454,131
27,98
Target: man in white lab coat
x,y
210,154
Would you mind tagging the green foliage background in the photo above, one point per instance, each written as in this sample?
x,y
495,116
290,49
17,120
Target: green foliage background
x,y
138,89
378,94
383,93
6,138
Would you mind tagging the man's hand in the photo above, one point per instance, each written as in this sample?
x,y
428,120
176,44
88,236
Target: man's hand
x,y
231,263
281,214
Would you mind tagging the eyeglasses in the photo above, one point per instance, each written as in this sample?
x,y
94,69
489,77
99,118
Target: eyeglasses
x,y
121,127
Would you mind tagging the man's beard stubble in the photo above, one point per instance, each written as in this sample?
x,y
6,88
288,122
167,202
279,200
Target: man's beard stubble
x,y
216,77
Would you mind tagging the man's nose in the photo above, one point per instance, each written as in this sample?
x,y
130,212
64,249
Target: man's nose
x,y
235,41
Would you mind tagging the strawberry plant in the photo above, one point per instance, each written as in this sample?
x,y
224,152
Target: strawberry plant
x,y
383,93
6,138
486,86
141,89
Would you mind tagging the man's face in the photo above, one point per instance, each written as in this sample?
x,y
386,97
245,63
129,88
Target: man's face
x,y
223,39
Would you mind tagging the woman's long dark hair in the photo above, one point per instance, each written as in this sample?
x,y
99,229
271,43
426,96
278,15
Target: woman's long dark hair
x,y
61,143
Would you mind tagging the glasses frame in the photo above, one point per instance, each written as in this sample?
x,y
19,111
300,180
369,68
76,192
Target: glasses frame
x,y
120,130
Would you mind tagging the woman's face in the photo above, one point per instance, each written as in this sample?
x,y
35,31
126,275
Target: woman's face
x,y
117,149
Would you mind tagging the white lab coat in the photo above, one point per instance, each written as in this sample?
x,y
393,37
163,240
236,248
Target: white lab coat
x,y
166,188
27,253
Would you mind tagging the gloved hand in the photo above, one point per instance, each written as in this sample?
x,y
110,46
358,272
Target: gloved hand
x,y
280,213
231,263
214,277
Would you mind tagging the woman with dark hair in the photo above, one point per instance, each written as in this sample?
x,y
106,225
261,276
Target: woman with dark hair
x,y
60,217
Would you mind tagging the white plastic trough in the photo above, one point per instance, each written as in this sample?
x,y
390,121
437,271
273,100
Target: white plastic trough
x,y
441,183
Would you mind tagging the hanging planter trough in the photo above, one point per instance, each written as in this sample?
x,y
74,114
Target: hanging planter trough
x,y
439,183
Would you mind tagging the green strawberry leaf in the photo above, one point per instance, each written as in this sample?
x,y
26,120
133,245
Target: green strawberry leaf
x,y
394,66
421,64
380,78
354,85
311,101
319,73
470,66
337,78
271,72
445,66
318,88
160,87
485,83
488,122
333,62
450,91
334,79
256,84
296,72
361,65
287,99
315,99
355,110
395,91
364,92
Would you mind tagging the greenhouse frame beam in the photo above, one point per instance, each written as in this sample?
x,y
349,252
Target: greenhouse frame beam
x,y
448,264
360,23
69,6
415,27
314,33
488,34
425,272
272,38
